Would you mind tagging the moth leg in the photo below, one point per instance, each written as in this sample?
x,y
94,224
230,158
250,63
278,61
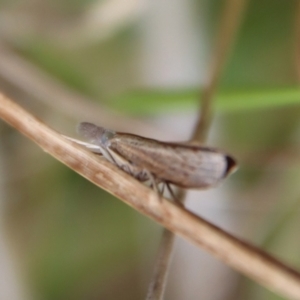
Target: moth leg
x,y
153,184
169,189
163,188
123,164
118,160
107,155
171,192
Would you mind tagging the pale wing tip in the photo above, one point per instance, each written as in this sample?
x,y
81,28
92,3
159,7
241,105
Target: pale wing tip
x,y
231,166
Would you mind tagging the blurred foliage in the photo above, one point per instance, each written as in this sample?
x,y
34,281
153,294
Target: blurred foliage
x,y
60,64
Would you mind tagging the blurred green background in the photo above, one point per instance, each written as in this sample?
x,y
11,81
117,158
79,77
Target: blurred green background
x,y
140,66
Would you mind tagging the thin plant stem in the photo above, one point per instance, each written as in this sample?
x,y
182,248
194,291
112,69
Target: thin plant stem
x,y
229,25
163,260
160,274
297,41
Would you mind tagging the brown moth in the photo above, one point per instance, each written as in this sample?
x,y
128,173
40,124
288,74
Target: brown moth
x,y
184,165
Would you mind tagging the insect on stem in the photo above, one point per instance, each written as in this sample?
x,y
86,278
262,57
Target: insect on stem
x,y
180,164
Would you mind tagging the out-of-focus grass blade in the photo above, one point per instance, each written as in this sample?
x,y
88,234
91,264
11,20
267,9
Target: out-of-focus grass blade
x,y
145,102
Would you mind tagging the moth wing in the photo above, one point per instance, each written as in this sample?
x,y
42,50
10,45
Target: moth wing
x,y
212,167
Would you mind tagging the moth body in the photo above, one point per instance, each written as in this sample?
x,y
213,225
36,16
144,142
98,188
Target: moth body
x,y
184,165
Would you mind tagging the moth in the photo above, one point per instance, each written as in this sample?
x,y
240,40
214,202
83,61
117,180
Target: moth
x,y
181,164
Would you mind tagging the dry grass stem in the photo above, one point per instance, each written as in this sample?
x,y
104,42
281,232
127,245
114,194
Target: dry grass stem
x,y
238,254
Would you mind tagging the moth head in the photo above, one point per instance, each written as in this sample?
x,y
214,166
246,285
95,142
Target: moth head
x,y
95,134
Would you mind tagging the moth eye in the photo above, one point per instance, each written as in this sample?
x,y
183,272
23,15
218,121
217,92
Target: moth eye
x,y
107,135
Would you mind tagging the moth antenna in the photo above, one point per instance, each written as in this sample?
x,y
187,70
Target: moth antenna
x,y
92,147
